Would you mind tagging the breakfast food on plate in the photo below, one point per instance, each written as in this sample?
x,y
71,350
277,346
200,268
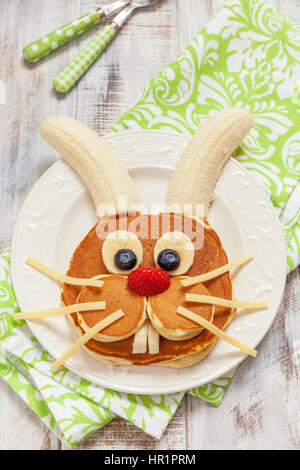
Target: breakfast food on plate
x,y
149,289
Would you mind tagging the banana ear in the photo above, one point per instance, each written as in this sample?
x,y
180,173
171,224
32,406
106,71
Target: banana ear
x,y
105,176
200,165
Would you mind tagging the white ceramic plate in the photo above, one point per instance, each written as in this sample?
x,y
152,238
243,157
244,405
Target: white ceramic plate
x,y
59,212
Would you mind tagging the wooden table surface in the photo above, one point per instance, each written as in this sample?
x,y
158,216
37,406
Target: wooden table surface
x,y
261,410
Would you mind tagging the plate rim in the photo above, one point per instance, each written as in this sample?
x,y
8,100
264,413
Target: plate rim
x,y
214,375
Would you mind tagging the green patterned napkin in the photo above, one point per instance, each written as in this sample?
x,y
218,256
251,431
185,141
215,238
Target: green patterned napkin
x,y
249,56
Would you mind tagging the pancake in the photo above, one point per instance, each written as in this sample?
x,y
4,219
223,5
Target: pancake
x,y
162,309
133,307
192,359
186,361
87,262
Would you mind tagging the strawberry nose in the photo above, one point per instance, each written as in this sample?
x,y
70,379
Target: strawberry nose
x,y
148,281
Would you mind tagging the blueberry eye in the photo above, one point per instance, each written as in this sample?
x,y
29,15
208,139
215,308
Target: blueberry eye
x,y
125,259
168,260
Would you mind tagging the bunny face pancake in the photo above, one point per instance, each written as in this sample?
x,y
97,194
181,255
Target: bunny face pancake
x,y
87,262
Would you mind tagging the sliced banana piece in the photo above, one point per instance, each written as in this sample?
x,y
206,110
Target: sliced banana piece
x,y
182,244
118,240
105,176
200,165
153,339
141,339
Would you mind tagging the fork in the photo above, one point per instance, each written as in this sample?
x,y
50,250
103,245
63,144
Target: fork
x,y
65,81
52,41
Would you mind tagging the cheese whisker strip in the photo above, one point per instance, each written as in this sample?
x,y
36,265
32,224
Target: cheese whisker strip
x,y
216,272
86,337
55,312
208,299
216,331
34,263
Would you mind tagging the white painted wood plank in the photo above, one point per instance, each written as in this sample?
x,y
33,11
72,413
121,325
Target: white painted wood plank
x,y
24,157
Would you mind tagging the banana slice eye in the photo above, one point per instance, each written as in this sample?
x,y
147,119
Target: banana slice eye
x,y
122,252
174,252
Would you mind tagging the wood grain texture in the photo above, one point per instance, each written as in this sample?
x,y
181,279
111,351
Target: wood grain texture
x,y
262,408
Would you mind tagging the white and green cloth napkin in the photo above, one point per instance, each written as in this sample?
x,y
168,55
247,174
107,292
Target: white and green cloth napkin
x,y
248,56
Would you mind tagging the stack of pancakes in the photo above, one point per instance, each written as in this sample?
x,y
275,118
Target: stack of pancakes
x,y
182,342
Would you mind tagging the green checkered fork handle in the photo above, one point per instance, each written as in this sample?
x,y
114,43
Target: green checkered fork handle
x,y
74,71
48,43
